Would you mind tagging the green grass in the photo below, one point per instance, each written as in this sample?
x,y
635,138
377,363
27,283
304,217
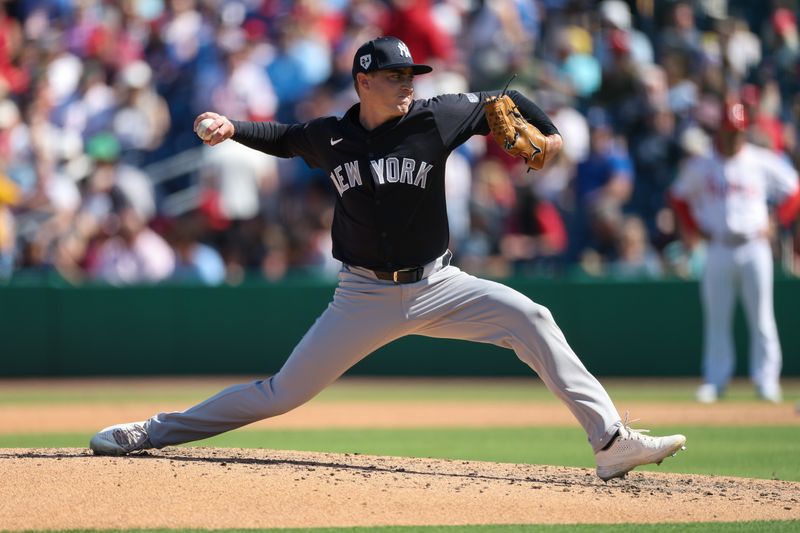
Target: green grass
x,y
758,452
355,390
713,527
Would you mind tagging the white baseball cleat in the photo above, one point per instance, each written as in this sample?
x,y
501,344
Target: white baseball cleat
x,y
121,439
770,393
631,449
707,393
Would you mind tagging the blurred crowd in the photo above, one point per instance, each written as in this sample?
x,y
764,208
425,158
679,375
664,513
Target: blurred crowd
x,y
102,178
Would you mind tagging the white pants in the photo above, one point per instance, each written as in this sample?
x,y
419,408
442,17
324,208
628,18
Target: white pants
x,y
744,269
366,314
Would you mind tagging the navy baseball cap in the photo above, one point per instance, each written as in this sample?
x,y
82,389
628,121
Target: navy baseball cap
x,y
385,53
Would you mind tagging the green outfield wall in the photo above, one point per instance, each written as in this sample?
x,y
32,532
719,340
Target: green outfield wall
x,y
617,328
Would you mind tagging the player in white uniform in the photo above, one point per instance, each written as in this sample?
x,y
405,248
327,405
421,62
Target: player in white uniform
x,y
724,196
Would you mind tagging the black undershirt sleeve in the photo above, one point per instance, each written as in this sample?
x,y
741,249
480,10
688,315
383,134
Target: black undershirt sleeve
x,y
533,113
273,138
267,137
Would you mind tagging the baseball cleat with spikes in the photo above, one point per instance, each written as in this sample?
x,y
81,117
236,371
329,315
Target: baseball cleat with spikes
x,y
631,448
121,439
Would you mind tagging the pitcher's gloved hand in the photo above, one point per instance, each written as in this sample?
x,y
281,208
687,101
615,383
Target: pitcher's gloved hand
x,y
513,133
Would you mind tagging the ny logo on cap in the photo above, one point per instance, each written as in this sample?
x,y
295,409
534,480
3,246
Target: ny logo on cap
x,y
404,51
365,61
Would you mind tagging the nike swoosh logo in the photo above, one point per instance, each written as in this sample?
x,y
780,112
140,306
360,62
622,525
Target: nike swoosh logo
x,y
337,141
536,152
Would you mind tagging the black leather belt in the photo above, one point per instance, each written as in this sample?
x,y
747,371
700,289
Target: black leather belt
x,y
405,275
409,275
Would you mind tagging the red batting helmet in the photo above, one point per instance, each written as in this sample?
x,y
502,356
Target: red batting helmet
x,y
734,117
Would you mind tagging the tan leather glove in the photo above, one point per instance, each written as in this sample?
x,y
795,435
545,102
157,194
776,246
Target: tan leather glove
x,y
513,133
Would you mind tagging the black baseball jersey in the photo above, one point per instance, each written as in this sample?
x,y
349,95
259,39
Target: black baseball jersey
x,y
390,207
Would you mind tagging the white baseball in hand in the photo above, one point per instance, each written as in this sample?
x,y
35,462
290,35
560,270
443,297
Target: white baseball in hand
x,y
203,128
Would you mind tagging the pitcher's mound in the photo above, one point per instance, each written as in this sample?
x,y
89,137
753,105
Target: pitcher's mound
x,y
244,488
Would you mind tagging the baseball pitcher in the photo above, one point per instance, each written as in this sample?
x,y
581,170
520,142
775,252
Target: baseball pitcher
x,y
386,160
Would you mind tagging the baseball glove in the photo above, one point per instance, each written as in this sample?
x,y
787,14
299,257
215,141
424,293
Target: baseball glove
x,y
513,133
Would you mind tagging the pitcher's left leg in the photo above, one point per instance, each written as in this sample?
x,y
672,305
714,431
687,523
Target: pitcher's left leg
x,y
469,308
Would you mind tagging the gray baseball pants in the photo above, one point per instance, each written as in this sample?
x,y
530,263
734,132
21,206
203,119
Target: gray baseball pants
x,y
367,313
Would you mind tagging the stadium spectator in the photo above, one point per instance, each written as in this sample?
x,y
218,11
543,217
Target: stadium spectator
x,y
133,253
414,23
552,182
635,257
603,185
458,184
655,152
9,195
141,117
618,31
535,234
195,261
111,173
784,60
680,35
75,75
764,106
686,256
577,71
13,79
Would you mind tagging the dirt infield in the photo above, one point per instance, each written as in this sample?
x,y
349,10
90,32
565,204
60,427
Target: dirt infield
x,y
216,488
234,488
